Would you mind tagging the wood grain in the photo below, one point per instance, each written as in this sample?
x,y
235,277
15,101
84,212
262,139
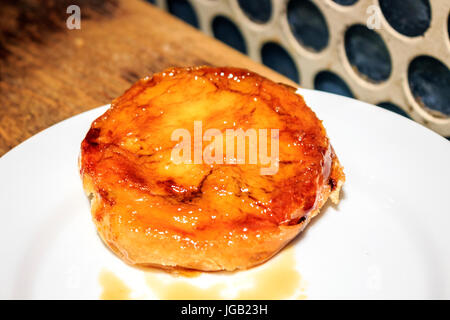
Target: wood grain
x,y
51,73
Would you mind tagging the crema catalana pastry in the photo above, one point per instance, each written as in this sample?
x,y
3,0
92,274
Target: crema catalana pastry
x,y
206,168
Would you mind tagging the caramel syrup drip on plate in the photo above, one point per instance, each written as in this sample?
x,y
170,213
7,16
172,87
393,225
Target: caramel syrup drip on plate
x,y
278,279
113,288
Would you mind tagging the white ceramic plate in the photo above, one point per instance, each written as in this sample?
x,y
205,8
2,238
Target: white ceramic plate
x,y
388,238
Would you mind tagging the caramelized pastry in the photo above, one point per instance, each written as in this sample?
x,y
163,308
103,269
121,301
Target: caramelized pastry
x,y
210,211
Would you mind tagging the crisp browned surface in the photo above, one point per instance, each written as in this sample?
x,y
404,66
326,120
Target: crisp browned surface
x,y
47,75
208,216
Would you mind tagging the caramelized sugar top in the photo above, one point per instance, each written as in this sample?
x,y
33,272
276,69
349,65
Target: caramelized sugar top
x,y
127,152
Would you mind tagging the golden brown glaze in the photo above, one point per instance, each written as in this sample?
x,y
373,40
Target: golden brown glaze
x,y
151,211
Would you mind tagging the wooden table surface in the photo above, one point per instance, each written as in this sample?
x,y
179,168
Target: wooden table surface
x,y
49,73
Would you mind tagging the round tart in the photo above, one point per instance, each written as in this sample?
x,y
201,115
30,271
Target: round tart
x,y
165,194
